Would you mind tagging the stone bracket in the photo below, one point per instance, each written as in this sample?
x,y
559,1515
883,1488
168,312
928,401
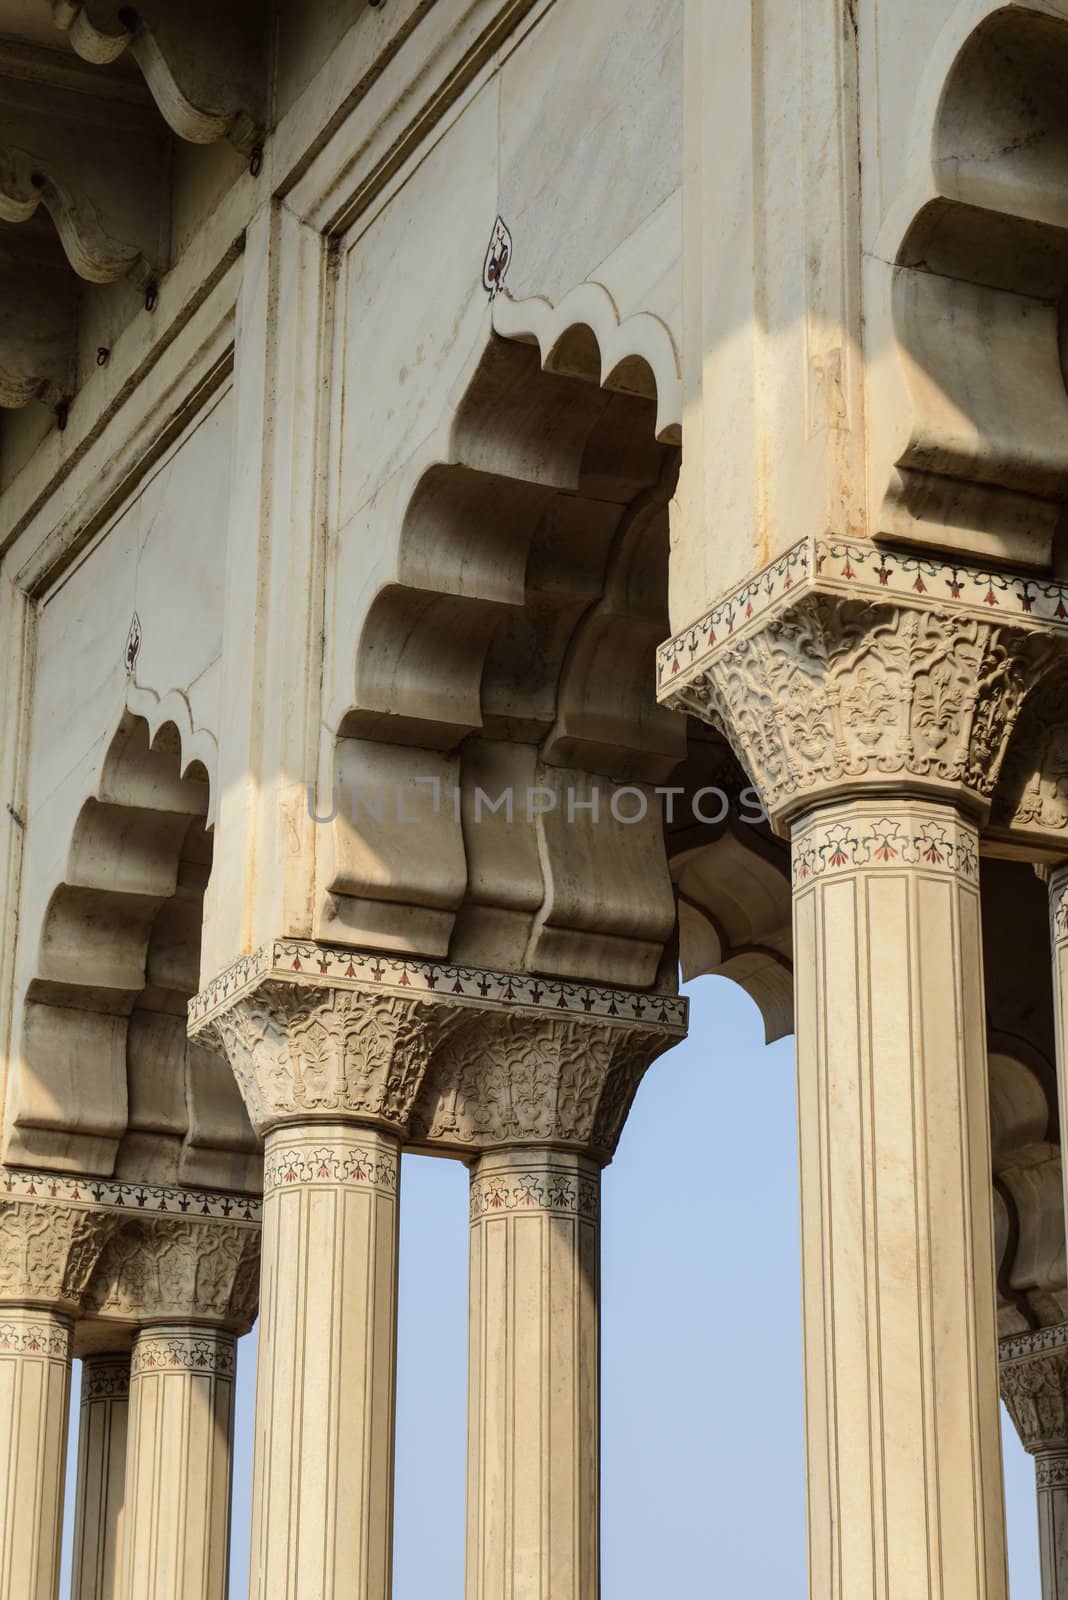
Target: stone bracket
x,y
98,176
199,62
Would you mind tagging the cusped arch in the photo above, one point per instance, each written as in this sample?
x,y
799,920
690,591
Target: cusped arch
x,y
584,336
511,650
169,719
511,642
105,1080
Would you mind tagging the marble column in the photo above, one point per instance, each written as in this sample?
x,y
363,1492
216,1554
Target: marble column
x,y
182,1287
540,1101
48,1250
329,1075
904,1460
533,1396
1034,1387
322,1521
177,1516
101,1484
874,705
1057,880
528,1079
35,1356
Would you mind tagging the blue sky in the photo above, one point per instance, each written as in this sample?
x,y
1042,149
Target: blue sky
x,y
703,1488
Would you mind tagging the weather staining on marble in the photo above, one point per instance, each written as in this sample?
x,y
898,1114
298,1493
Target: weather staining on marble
x,y
423,651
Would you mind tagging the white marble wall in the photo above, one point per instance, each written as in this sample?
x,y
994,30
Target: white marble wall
x,y
576,143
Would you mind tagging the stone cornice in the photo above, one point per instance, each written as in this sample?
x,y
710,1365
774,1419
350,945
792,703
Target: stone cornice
x,y
842,669
298,961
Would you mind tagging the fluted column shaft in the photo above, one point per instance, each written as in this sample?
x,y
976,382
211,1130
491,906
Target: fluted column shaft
x,y
336,1075
322,1521
177,1515
101,1486
904,1464
1034,1387
1051,1464
533,1399
35,1355
1058,917
1051,1490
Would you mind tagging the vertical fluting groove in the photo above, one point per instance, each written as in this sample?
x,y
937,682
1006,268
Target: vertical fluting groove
x,y
510,1327
325,1405
98,1519
178,1464
897,1246
570,1271
543,1345
921,1224
339,1210
8,1380
967,1179
367,1377
812,1272
533,1366
870,1246
34,1401
825,1190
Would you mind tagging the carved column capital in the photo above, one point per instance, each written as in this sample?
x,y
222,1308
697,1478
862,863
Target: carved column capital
x,y
844,668
437,1053
177,1269
503,1080
48,1252
305,1053
1034,1387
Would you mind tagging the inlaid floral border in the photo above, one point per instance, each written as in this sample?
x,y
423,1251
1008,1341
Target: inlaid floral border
x,y
105,1380
871,843
302,961
110,1194
862,569
559,1193
212,1356
1051,1472
295,1166
34,1338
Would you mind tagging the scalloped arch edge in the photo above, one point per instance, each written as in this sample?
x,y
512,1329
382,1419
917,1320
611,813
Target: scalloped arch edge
x,y
198,746
621,341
